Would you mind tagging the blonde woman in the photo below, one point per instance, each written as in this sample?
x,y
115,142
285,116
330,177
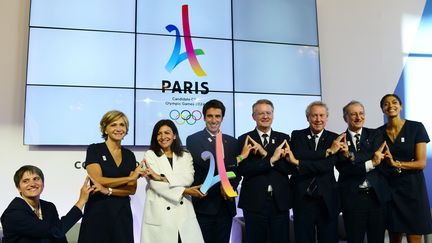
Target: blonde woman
x,y
108,215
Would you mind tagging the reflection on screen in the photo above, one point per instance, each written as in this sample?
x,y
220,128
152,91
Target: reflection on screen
x,y
163,60
65,116
81,58
288,113
185,110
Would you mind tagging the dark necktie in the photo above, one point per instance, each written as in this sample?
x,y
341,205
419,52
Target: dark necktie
x,y
265,142
311,190
265,139
357,142
315,142
365,183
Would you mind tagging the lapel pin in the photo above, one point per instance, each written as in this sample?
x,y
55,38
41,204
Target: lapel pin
x,y
103,157
210,140
309,136
402,139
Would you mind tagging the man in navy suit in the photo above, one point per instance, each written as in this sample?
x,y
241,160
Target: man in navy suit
x,y
215,210
363,187
316,201
265,192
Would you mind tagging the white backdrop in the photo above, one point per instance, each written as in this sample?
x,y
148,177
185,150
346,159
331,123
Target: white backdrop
x,y
362,51
361,57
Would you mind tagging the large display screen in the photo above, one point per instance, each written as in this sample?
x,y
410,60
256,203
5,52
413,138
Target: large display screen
x,y
163,60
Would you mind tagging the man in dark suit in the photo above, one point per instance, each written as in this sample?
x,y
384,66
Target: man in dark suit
x,y
265,192
215,210
316,201
363,187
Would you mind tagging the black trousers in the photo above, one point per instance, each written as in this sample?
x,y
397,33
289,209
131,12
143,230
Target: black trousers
x,y
270,223
313,223
216,228
365,216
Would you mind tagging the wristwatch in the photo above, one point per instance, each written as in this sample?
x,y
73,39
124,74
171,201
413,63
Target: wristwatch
x,y
161,177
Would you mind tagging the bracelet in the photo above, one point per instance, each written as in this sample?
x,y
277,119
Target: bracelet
x,y
109,191
240,157
399,166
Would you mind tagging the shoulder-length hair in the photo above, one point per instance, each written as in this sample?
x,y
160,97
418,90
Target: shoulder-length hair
x,y
110,117
176,146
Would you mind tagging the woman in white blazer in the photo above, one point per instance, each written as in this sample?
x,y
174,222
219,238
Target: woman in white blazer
x,y
169,216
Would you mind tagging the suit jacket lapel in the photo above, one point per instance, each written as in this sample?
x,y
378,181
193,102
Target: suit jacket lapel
x,y
208,141
256,137
364,138
164,163
322,143
350,142
310,139
272,140
209,144
174,160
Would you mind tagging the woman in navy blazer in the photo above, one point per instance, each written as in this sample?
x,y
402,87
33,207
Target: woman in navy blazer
x,y
31,219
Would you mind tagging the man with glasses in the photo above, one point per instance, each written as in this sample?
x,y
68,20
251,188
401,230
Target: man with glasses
x,y
362,183
265,191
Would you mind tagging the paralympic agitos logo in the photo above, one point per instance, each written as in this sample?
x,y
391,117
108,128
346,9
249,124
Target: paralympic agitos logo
x,y
191,55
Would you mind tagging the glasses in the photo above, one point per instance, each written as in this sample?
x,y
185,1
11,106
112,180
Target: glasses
x,y
264,113
360,114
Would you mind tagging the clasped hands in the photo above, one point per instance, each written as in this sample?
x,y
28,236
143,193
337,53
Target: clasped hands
x,y
382,153
86,189
284,151
388,157
146,171
339,145
281,151
249,146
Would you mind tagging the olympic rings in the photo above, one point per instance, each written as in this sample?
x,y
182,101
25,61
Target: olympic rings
x,y
185,116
